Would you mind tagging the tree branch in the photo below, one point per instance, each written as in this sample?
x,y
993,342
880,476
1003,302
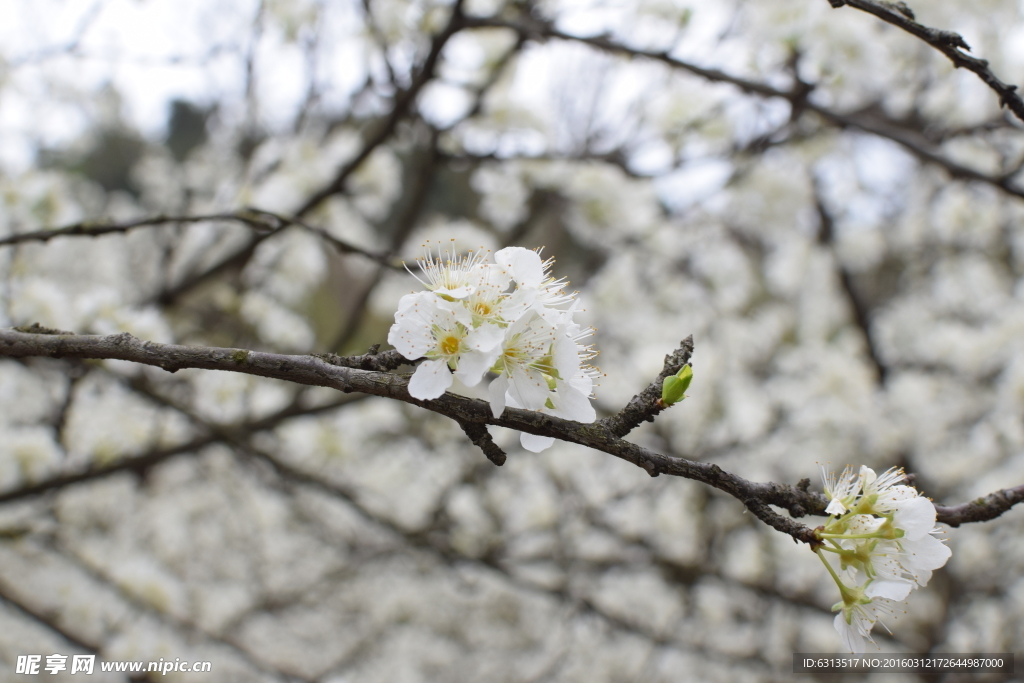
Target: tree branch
x,y
861,314
403,101
982,509
541,32
481,438
646,405
44,617
265,222
143,462
948,43
97,228
311,370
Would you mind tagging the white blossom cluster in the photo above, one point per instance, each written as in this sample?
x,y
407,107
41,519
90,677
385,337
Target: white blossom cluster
x,y
509,317
883,534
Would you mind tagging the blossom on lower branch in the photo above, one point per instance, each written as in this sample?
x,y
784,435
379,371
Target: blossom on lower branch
x,y
509,317
883,534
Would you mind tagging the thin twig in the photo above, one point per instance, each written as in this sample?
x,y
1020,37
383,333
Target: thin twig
x,y
264,222
402,102
97,228
480,437
859,308
540,31
646,405
948,43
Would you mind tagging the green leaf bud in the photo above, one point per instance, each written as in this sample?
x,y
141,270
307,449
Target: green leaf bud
x,y
673,389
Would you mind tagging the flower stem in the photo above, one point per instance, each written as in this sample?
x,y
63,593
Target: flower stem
x,y
873,534
831,571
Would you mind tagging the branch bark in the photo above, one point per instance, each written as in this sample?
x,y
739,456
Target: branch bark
x,y
473,415
948,43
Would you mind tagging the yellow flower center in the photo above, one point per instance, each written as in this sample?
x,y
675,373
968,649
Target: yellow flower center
x,y
450,345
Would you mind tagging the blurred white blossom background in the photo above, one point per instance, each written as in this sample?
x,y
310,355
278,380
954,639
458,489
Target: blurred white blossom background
x,y
852,298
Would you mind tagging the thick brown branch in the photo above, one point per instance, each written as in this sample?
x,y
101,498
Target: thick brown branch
x,y
311,370
764,512
372,360
982,509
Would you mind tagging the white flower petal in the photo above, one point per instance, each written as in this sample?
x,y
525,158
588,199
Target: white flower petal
x,y
430,380
411,299
573,405
534,443
524,265
836,507
891,498
517,304
862,620
472,366
566,356
529,388
867,476
864,524
485,338
457,293
496,393
411,337
452,312
852,639
916,517
925,553
893,590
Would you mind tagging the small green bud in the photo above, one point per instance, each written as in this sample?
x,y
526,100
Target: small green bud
x,y
673,389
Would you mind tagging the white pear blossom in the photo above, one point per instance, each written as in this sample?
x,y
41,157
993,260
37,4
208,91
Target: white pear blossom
x,y
884,494
524,365
510,317
573,378
491,304
442,331
882,531
450,274
916,517
569,381
856,619
841,492
922,556
530,272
